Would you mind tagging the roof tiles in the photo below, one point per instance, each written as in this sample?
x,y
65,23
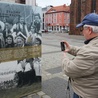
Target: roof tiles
x,y
62,8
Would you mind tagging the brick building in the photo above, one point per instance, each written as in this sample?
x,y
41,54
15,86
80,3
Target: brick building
x,y
57,18
78,9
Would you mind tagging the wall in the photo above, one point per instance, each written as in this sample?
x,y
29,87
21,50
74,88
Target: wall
x,y
78,9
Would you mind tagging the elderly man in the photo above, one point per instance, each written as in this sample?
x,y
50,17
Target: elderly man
x,y
83,69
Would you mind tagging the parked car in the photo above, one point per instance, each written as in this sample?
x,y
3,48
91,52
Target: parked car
x,y
49,30
44,31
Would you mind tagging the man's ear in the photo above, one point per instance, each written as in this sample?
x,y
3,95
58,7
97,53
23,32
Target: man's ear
x,y
90,30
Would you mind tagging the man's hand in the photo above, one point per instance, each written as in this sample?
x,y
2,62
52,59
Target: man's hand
x,y
67,49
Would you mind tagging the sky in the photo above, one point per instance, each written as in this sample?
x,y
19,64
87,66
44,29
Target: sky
x,y
44,3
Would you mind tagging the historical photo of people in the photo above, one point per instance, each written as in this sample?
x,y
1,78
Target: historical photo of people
x,y
20,27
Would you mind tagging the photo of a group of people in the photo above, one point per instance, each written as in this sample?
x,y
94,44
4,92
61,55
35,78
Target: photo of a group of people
x,y
20,26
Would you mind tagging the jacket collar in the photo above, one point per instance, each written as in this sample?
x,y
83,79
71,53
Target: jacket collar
x,y
87,41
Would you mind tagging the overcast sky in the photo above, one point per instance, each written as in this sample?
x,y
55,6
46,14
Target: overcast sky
x,y
44,3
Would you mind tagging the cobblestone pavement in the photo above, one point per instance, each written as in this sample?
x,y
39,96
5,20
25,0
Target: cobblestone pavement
x,y
54,82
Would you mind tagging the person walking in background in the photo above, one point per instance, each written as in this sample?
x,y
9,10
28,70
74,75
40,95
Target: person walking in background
x,y
83,69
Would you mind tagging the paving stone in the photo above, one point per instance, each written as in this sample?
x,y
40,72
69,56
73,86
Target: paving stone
x,y
46,96
54,70
31,95
24,97
41,93
36,96
55,87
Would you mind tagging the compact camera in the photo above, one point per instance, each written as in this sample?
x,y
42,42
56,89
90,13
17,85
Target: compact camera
x,y
62,46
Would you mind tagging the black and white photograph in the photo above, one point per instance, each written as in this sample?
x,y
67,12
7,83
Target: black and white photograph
x,y
20,49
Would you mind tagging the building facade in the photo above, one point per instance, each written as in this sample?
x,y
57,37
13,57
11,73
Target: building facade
x,y
58,18
28,2
13,1
44,10
78,9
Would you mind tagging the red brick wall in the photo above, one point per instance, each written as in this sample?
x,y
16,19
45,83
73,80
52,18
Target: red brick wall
x,y
76,14
73,17
97,6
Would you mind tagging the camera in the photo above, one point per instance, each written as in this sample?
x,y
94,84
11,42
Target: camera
x,y
62,46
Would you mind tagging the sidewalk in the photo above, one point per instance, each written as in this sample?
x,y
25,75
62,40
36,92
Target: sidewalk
x,y
54,82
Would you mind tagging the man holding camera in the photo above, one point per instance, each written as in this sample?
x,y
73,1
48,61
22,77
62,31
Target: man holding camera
x,y
83,69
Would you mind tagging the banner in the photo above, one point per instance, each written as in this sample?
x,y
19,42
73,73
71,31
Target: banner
x,y
20,50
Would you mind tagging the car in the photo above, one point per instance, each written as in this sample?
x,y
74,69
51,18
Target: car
x,y
44,31
49,30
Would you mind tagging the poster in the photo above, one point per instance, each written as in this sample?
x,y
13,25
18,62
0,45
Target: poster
x,y
20,50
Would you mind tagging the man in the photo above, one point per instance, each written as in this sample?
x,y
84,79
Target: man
x,y
83,69
37,21
20,26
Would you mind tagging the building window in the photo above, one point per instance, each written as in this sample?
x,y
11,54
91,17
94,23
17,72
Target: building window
x,y
50,28
54,18
54,28
57,28
20,1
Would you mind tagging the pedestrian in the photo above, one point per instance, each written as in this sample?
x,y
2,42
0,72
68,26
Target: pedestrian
x,y
83,69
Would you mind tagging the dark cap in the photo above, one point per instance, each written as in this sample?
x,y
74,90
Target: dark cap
x,y
89,19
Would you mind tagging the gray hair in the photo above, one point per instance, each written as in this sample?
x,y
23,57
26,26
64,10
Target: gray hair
x,y
94,28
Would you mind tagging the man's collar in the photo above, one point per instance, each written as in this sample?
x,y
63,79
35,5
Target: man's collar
x,y
87,41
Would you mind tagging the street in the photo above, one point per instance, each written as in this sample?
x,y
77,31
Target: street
x,y
54,82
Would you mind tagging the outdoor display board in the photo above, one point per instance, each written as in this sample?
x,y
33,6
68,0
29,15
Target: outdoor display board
x,y
20,50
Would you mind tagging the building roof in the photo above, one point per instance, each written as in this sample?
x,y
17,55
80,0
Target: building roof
x,y
62,8
46,8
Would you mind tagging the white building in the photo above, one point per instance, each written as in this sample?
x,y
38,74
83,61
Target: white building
x,y
28,2
44,10
13,1
31,2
